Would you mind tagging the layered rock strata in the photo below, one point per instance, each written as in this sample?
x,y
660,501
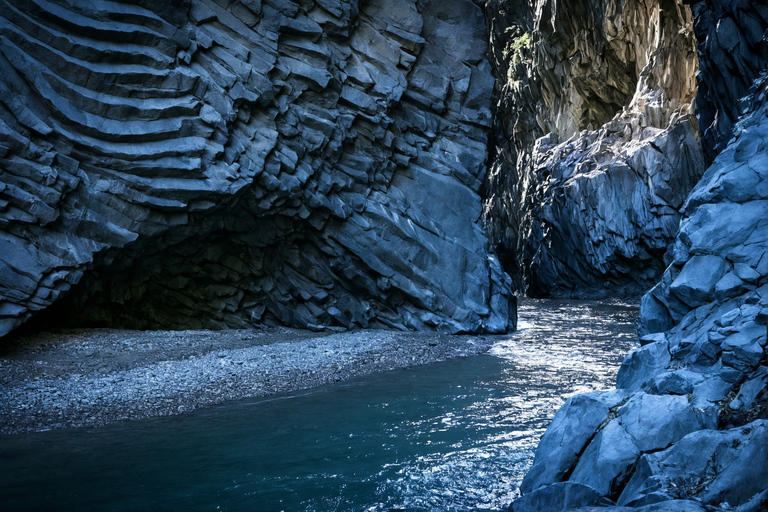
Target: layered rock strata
x,y
689,420
596,143
218,163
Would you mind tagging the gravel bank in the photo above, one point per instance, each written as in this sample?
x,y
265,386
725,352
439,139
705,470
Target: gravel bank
x,y
77,378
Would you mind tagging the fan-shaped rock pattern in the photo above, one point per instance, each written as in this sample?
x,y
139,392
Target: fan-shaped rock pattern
x,y
216,163
596,143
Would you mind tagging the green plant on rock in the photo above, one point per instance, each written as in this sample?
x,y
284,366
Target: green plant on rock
x,y
515,53
516,49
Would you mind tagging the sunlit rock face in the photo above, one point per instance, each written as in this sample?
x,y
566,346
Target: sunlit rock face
x,y
721,250
596,143
215,163
688,425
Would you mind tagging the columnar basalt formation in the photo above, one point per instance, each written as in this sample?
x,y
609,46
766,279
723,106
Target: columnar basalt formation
x,y
596,143
219,163
687,427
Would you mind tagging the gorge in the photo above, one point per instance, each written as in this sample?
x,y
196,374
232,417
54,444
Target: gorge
x,y
414,165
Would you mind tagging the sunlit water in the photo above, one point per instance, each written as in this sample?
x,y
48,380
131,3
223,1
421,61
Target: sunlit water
x,y
457,435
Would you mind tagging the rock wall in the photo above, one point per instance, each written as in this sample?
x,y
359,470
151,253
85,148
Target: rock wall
x,y
219,163
687,427
731,56
596,143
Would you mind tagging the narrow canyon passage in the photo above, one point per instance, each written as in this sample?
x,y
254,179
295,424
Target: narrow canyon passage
x,y
456,435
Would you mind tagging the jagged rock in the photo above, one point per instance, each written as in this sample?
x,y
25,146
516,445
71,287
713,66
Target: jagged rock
x,y
559,498
697,415
725,225
609,435
664,506
572,429
223,164
732,54
696,282
642,364
710,465
596,147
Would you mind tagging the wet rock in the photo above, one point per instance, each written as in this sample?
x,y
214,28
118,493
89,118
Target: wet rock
x,y
229,164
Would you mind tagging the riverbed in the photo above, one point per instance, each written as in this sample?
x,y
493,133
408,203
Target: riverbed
x,y
457,434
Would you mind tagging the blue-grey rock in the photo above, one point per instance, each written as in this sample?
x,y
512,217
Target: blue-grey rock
x,y
596,147
708,465
758,503
608,460
663,506
695,284
642,364
571,430
644,424
692,435
226,164
559,497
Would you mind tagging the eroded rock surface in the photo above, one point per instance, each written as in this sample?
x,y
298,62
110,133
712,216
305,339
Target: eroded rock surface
x,y
216,163
596,143
693,425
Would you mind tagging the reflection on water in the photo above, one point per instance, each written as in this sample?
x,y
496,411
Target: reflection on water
x,y
457,435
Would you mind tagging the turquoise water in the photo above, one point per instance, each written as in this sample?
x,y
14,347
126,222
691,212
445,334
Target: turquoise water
x,y
457,435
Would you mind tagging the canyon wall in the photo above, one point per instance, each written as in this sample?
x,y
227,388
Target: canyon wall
x,y
218,164
596,144
687,427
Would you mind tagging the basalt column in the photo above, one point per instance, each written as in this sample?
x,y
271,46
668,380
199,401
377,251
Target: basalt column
x,y
596,144
217,163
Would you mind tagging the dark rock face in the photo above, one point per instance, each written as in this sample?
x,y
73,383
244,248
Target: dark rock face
x,y
732,54
596,144
689,420
207,163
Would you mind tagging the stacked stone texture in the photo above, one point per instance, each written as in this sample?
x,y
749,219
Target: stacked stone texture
x,y
217,163
687,428
596,143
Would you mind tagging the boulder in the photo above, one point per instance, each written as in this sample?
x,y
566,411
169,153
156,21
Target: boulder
x,y
571,430
697,280
708,465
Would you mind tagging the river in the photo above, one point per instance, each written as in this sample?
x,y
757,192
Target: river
x,y
457,435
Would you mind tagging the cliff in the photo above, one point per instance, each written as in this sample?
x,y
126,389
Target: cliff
x,y
596,144
687,427
218,164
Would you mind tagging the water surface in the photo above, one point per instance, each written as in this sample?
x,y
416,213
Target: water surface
x,y
457,435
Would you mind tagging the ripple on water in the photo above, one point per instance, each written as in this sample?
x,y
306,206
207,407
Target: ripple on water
x,y
457,435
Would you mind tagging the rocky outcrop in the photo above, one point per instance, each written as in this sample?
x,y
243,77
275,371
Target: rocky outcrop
x,y
689,420
732,54
596,143
217,163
